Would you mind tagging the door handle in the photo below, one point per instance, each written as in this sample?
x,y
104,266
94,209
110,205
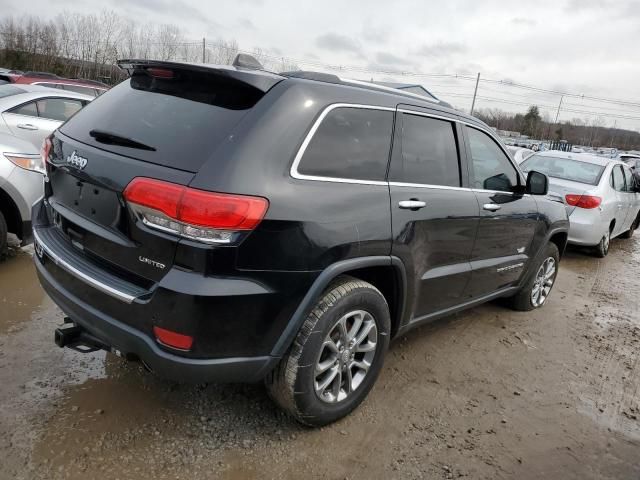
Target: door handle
x,y
411,204
27,126
492,207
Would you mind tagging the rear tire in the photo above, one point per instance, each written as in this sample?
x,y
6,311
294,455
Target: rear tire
x,y
536,290
3,237
342,344
602,249
632,229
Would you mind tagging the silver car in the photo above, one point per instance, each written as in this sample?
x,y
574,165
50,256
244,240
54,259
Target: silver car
x,y
21,178
31,112
600,195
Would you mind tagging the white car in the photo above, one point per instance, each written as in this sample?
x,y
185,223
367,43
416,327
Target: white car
x,y
600,194
32,113
21,180
519,154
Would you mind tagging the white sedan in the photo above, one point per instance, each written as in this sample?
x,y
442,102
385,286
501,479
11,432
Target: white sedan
x,y
600,194
31,112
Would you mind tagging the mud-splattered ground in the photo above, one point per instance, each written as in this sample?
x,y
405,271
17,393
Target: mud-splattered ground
x,y
485,394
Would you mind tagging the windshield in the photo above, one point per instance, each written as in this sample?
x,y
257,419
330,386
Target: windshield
x,y
564,168
8,90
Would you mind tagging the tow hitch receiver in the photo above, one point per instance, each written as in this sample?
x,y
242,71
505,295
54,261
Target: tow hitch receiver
x,y
77,338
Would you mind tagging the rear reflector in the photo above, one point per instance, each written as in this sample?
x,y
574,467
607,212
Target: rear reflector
x,y
173,339
583,201
196,214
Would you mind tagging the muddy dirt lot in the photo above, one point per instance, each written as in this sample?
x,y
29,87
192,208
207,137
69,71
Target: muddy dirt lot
x,y
485,394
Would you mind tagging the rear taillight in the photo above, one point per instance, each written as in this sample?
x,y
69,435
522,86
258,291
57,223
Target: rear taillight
x,y
196,214
173,339
583,201
45,151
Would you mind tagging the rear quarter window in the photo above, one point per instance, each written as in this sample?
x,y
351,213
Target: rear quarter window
x,y
350,143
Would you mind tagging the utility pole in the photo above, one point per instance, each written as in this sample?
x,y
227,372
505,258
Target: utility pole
x,y
204,47
559,105
613,136
475,92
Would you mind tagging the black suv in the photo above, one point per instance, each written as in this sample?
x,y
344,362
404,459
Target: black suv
x,y
228,224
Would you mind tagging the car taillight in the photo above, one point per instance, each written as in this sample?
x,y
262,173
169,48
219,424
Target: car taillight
x,y
583,201
196,214
173,339
45,151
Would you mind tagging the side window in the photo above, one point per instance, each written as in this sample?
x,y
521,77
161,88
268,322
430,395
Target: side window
x,y
60,109
350,143
28,109
429,154
629,179
617,178
492,170
79,89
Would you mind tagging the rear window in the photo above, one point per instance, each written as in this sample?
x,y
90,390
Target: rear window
x,y
429,152
182,118
350,143
8,90
564,168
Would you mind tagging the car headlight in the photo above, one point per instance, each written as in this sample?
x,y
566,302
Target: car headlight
x,y
26,161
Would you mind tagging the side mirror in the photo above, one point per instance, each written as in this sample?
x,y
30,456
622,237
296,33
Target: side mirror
x,y
537,183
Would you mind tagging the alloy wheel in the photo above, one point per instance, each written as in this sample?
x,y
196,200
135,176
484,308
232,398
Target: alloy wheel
x,y
543,282
346,356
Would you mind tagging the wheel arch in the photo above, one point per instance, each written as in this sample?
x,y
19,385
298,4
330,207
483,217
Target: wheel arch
x,y
11,214
386,273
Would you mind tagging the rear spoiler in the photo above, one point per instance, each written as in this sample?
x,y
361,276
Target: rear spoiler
x,y
258,79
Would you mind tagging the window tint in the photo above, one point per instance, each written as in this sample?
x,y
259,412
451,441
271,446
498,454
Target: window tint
x,y
492,170
60,109
350,143
429,154
184,118
28,109
630,179
617,177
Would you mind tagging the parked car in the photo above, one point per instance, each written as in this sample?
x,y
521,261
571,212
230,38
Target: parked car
x,y
227,224
21,174
32,112
600,195
87,87
519,154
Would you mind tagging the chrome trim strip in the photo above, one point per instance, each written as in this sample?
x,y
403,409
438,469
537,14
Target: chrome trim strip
x,y
124,297
424,185
296,161
425,114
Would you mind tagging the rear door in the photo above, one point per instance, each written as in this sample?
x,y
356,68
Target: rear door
x,y
630,198
35,120
507,220
621,205
434,219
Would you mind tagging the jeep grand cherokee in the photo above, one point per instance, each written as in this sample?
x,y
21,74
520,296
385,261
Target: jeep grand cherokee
x,y
229,224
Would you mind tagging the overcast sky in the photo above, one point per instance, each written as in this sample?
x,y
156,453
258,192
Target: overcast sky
x,y
583,46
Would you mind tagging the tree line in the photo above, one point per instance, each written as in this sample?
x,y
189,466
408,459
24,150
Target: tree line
x,y
577,131
76,45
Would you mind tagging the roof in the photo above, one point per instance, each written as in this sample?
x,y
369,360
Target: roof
x,y
54,92
581,157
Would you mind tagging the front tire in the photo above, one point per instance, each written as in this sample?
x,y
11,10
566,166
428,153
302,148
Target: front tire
x,y
537,289
337,355
3,237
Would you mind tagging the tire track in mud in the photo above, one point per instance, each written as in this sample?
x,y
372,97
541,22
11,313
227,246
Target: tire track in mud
x,y
613,343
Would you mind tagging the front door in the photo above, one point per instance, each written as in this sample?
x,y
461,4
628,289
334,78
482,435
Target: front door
x,y
507,220
434,219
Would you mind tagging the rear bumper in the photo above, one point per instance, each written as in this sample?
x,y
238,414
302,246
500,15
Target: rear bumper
x,y
587,227
129,340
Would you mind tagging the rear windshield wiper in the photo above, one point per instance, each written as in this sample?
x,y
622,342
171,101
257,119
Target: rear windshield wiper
x,y
115,139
